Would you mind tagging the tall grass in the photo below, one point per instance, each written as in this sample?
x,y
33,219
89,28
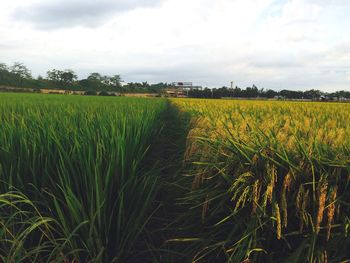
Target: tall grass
x,y
270,181
72,180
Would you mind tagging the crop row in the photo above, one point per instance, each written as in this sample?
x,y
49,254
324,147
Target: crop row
x,y
73,183
270,181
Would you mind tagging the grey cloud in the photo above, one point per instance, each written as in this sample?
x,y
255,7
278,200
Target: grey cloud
x,y
274,62
68,13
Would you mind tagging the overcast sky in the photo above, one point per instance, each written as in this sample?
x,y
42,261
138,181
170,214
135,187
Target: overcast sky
x,y
278,44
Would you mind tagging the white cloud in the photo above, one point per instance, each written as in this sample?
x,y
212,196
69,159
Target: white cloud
x,y
274,44
69,13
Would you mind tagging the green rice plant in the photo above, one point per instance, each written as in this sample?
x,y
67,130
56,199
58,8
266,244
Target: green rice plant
x,y
25,234
80,162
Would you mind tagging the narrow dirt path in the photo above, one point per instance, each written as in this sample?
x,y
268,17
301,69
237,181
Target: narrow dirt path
x,y
166,155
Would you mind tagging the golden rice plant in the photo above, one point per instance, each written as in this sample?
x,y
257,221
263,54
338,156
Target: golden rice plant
x,y
277,174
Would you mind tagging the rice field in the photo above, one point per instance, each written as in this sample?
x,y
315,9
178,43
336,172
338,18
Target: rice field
x,y
73,183
257,181
270,180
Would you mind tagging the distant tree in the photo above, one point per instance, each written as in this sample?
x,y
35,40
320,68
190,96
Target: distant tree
x,y
95,76
63,78
159,86
96,81
3,67
68,77
21,70
54,75
237,92
115,81
137,87
145,84
291,94
341,94
251,92
312,94
106,80
270,93
130,86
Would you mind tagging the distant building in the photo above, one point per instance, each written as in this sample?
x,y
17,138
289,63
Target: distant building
x,y
185,86
323,98
182,85
175,92
180,89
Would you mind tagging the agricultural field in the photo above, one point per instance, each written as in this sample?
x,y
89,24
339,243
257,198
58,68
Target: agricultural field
x,y
113,179
270,181
73,183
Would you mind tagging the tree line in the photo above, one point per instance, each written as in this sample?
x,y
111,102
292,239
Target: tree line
x,y
18,75
255,92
